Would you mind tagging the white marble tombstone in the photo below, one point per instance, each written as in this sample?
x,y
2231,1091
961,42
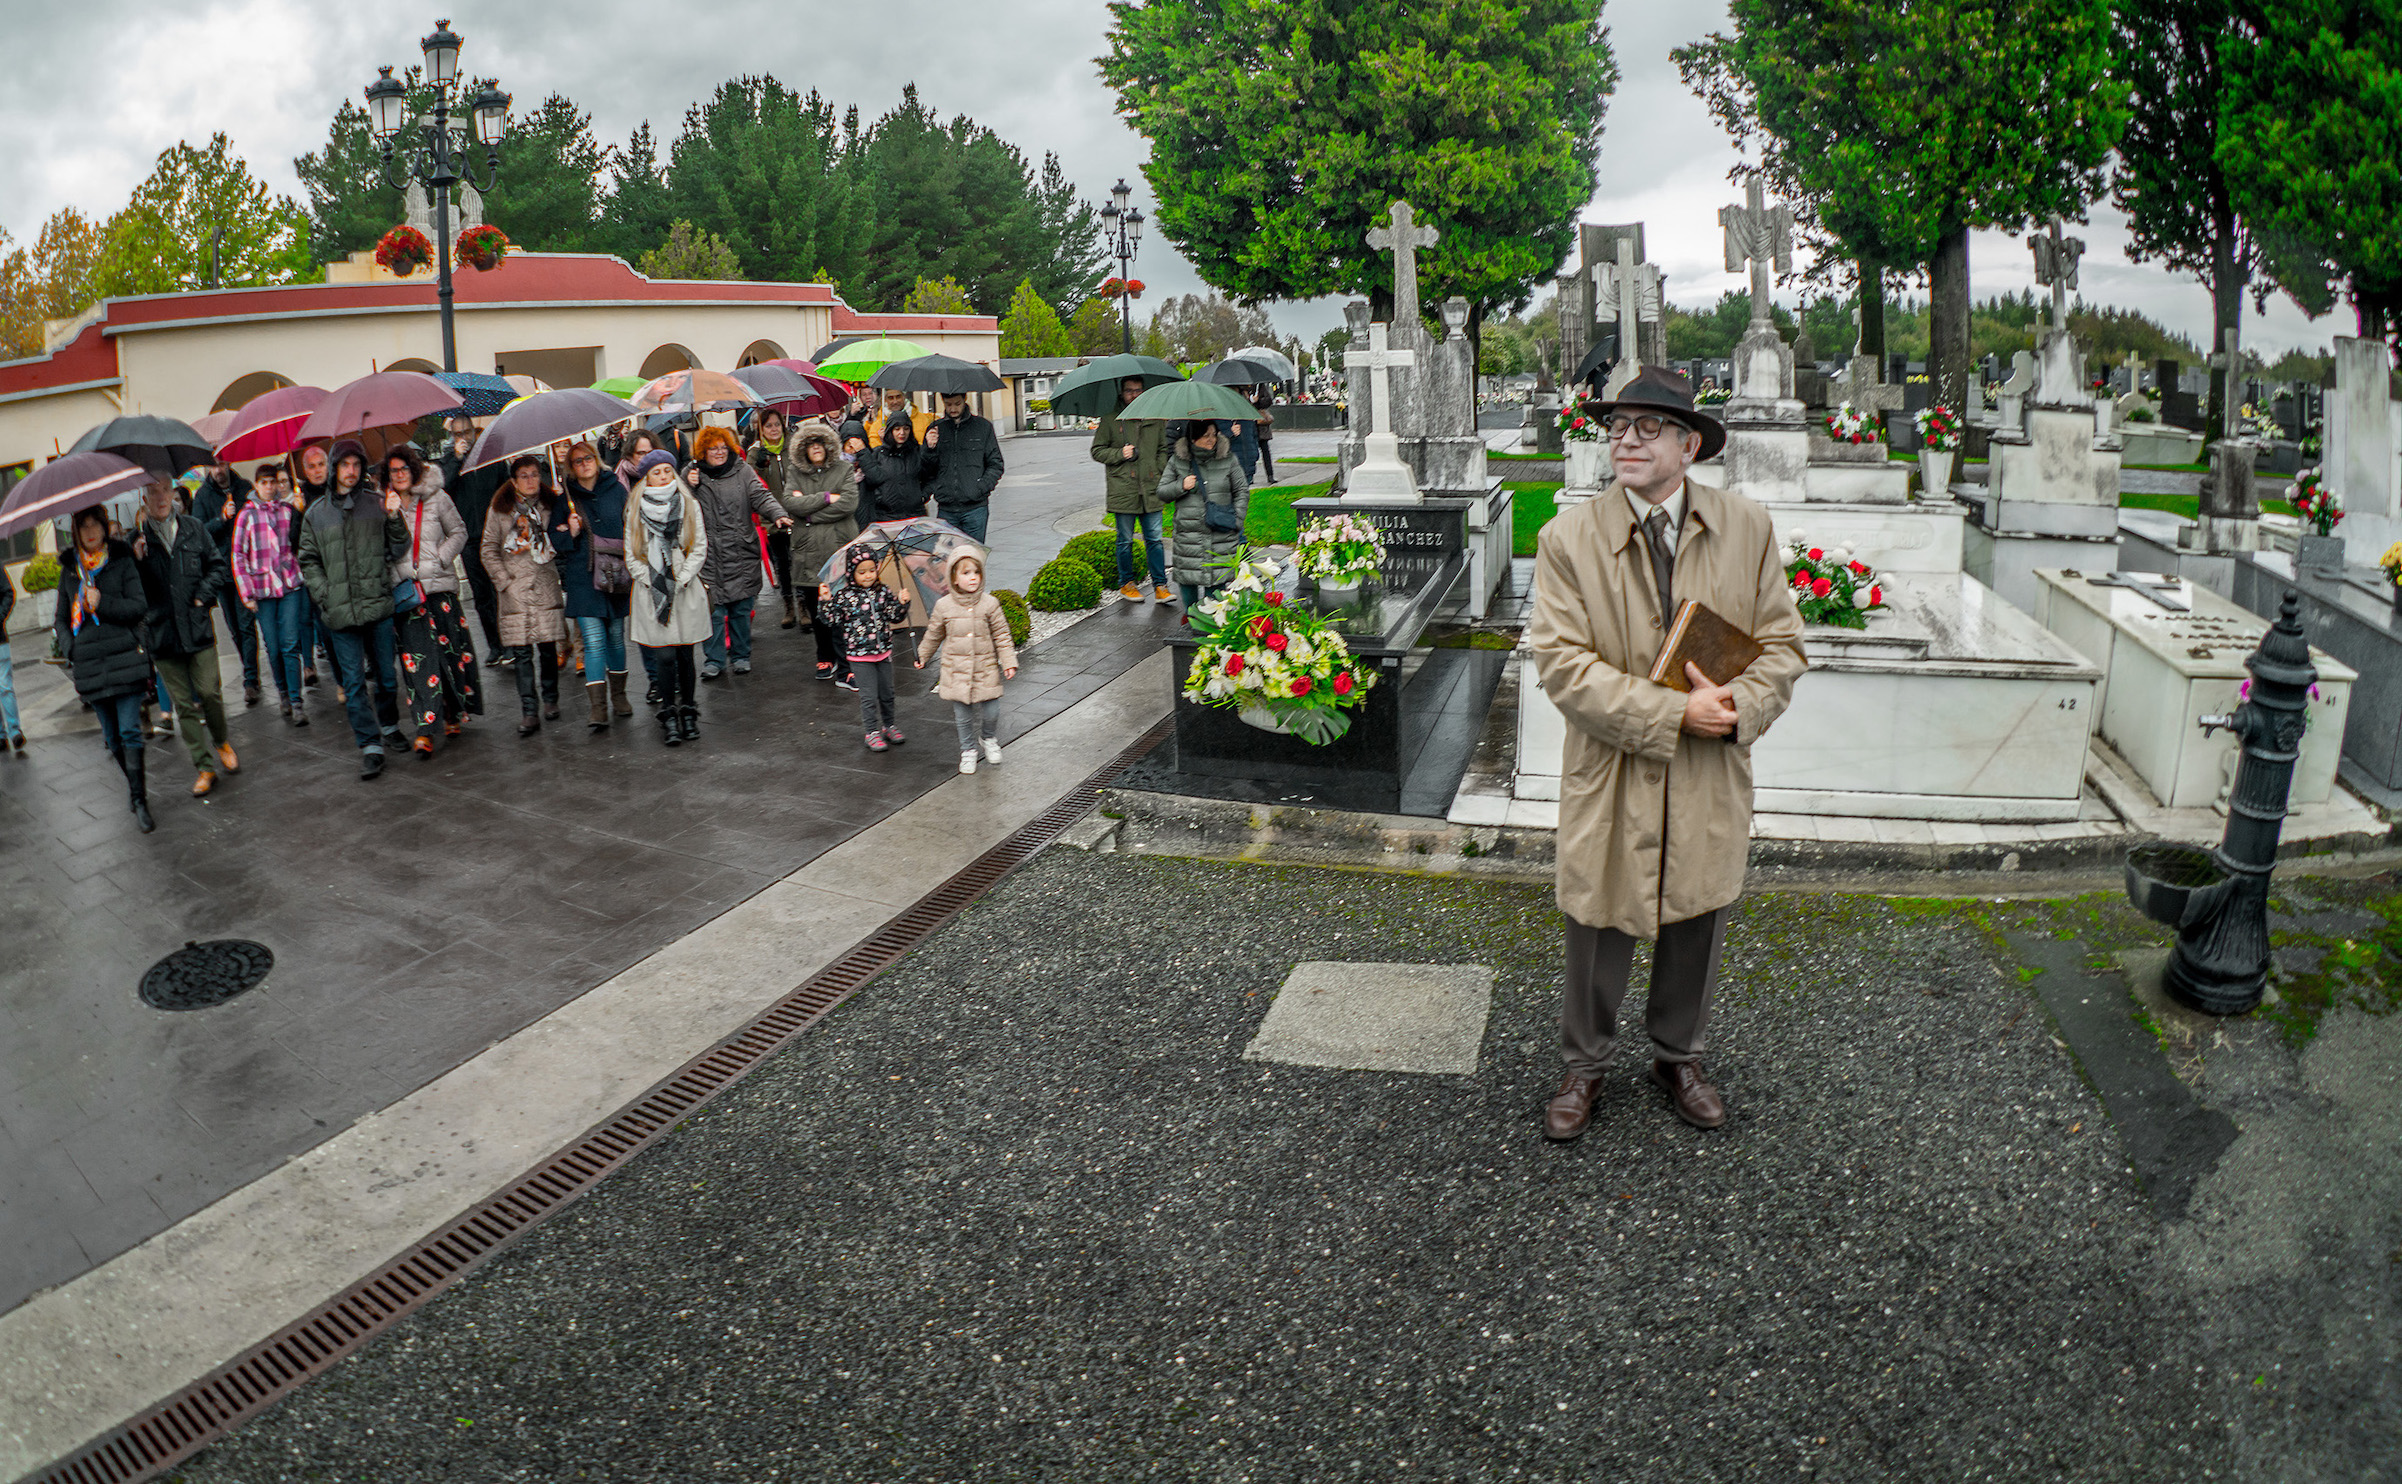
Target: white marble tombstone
x,y
2363,439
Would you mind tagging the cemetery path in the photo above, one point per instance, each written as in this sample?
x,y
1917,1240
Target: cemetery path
x,y
1022,1209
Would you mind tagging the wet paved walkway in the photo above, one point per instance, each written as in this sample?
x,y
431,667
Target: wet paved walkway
x,y
415,920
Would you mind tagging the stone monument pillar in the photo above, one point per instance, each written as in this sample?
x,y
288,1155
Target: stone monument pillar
x,y
2360,437
1768,441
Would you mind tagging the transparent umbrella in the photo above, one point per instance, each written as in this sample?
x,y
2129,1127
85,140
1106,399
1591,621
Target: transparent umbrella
x,y
920,547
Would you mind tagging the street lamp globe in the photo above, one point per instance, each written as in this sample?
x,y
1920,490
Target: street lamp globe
x,y
1120,194
387,104
1109,213
441,55
491,115
1134,228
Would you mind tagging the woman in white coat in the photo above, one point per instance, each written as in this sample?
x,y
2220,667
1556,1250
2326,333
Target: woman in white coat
x,y
666,549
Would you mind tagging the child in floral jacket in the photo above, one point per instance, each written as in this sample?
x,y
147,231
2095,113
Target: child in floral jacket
x,y
863,608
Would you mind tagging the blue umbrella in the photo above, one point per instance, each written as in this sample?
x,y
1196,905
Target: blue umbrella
x,y
479,395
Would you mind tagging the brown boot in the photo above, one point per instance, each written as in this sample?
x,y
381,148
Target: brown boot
x,y
617,693
1696,1101
596,693
1571,1109
792,612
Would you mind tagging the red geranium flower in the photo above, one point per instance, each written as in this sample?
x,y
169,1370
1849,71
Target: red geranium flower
x,y
1275,600
1821,587
1342,682
1276,642
1301,685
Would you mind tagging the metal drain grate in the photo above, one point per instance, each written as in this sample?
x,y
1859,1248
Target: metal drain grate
x,y
185,1423
199,975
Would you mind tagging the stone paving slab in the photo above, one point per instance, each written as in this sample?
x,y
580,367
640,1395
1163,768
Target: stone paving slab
x,y
1377,1017
1022,1210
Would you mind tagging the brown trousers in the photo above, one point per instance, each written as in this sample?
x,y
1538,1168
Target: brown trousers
x,y
1684,981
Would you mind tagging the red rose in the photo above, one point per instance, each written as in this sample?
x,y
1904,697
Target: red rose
x,y
1234,664
1276,642
1817,554
1876,595
1821,587
1275,600
1301,685
1801,579
1859,569
1258,625
1342,682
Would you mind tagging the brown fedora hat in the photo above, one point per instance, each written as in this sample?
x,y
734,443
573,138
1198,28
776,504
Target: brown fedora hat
x,y
1669,393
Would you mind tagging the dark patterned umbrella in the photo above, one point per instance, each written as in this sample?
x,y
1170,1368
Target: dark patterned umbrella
x,y
479,395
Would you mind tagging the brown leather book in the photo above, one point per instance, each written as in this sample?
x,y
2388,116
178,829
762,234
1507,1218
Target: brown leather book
x,y
1702,637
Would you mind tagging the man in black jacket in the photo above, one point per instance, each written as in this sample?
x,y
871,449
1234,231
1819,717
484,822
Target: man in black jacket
x,y
186,576
220,498
964,455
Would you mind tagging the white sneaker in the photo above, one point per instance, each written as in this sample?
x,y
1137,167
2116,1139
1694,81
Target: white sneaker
x,y
992,750
967,762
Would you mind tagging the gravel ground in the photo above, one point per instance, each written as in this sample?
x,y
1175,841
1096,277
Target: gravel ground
x,y
1021,1211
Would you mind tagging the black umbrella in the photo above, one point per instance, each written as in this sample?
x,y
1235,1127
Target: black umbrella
x,y
943,375
163,445
825,352
532,424
1597,361
1235,372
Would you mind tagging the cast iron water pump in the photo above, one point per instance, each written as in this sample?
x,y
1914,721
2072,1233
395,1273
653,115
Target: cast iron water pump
x,y
2218,900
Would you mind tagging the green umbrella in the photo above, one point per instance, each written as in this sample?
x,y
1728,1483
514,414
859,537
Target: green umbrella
x,y
620,386
1091,390
1189,401
861,361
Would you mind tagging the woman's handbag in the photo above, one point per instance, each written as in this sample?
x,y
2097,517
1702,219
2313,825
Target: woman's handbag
x,y
610,574
1213,515
408,594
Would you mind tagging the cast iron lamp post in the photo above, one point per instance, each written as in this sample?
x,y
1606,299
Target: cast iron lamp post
x,y
2218,900
1121,233
437,161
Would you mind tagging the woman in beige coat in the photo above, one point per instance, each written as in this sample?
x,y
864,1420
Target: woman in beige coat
x,y
1655,788
517,552
971,633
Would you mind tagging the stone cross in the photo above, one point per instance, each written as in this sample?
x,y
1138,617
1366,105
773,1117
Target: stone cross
x,y
2056,264
1757,234
1634,291
2165,592
2014,391
1379,359
1403,240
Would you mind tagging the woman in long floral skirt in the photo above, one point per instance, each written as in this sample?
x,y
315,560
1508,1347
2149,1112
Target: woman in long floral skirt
x,y
439,684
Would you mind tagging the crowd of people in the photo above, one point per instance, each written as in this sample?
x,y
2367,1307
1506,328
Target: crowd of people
x,y
635,543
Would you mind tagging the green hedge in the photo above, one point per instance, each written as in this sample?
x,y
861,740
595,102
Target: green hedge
x,y
1099,551
1013,608
41,574
1064,585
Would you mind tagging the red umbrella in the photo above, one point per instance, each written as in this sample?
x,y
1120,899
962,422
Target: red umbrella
x,y
66,485
377,401
268,425
793,393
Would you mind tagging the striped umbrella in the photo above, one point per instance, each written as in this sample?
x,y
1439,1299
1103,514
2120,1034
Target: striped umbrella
x,y
66,485
268,425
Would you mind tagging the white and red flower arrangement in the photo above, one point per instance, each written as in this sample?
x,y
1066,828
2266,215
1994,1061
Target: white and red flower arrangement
x,y
1849,424
1341,549
481,247
403,250
1831,586
1939,428
1580,420
2320,506
1260,653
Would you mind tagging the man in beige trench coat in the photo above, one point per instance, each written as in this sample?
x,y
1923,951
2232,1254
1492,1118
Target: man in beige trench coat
x,y
1655,789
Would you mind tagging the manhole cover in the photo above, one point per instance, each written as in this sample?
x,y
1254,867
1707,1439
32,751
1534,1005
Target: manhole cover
x,y
199,975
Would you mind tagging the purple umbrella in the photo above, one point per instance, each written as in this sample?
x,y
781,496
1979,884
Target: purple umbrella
x,y
376,401
66,485
532,424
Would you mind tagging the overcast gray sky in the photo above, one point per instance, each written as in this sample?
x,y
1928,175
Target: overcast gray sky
x,y
104,85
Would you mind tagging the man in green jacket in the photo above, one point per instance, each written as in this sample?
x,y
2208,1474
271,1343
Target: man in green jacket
x,y
1135,453
348,542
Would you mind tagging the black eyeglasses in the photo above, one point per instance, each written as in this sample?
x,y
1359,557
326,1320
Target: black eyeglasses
x,y
1645,428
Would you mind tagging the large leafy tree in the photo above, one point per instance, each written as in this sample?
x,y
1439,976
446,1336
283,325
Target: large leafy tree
x,y
635,211
759,165
2310,140
547,193
1031,327
1898,129
945,295
1273,134
690,252
2180,208
53,279
201,219
1205,329
1095,329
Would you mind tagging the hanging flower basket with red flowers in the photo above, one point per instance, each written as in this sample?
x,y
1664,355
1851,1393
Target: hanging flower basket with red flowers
x,y
481,248
1134,288
403,251
1112,287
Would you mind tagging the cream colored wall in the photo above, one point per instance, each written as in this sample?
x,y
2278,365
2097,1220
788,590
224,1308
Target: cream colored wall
x,y
179,372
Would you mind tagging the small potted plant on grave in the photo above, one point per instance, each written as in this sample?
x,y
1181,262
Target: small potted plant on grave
x,y
1586,445
1938,446
1341,553
1830,586
481,247
2318,549
1278,666
2391,562
403,251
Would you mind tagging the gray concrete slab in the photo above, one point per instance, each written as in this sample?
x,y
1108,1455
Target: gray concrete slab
x,y
1377,1017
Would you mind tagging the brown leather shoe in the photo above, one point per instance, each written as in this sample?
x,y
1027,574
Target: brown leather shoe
x,y
1695,1101
202,784
225,755
1571,1109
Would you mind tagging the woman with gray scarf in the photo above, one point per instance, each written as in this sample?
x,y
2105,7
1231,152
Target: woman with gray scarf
x,y
667,549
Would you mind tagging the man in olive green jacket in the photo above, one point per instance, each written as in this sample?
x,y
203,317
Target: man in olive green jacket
x,y
1134,453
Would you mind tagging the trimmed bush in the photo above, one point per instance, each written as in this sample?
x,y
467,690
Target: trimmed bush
x,y
1066,584
40,574
1099,551
1013,608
